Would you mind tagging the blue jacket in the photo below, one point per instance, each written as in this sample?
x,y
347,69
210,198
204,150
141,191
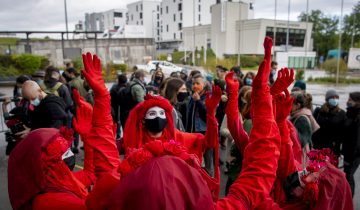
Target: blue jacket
x,y
196,115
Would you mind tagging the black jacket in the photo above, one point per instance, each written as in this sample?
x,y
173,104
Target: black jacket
x,y
330,134
351,145
50,113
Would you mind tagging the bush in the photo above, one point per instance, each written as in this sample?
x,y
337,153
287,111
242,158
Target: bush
x,y
162,57
5,60
9,71
300,74
119,67
332,80
330,66
28,63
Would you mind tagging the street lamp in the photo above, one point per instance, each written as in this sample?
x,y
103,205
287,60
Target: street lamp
x,y
66,20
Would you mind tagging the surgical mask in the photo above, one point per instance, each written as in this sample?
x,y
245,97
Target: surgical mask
x,y
36,102
181,96
69,158
248,81
158,78
333,102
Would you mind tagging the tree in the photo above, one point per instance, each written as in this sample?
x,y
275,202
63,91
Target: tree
x,y
351,24
324,32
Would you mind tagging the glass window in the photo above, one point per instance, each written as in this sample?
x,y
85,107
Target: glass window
x,y
174,17
118,14
140,14
179,7
179,26
167,9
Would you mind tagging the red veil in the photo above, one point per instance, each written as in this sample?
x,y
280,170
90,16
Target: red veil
x,y
134,135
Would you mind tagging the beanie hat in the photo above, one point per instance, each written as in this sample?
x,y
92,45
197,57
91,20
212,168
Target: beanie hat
x,y
331,93
299,84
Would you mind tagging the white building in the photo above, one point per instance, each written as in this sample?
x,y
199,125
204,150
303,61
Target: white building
x,y
108,20
114,19
147,14
231,33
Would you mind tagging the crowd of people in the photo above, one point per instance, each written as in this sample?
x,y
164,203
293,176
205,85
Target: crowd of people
x,y
176,133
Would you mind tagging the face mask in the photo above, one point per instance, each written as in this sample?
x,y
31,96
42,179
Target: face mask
x,y
69,158
349,105
248,81
333,102
158,78
181,96
155,125
197,88
36,102
155,119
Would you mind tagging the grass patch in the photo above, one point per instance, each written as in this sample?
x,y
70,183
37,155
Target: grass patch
x,y
332,80
8,41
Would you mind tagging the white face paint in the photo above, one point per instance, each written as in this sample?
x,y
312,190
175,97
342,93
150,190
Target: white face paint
x,y
155,112
67,154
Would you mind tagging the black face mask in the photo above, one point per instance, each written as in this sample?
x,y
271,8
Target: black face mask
x,y
155,125
158,78
182,96
70,162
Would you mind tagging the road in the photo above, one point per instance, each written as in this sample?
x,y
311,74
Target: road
x,y
318,92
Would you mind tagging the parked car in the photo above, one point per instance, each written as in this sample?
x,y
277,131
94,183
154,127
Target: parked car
x,y
165,66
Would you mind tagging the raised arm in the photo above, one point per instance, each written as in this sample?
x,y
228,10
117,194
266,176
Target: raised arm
x,y
261,154
101,137
235,126
82,125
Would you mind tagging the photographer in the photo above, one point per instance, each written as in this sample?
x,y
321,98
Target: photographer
x,y
16,120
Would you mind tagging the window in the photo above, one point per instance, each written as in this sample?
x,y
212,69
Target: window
x,y
179,26
118,14
161,29
158,32
137,9
199,8
158,16
161,10
140,15
167,28
179,7
157,8
141,7
296,36
142,22
174,17
158,24
180,35
137,22
180,16
132,17
167,9
174,35
199,18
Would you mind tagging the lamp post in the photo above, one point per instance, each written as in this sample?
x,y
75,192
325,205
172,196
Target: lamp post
x,y
339,47
288,29
66,20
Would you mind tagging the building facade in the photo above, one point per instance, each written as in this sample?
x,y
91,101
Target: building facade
x,y
147,14
108,20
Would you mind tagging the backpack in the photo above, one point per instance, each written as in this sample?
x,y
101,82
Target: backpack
x,y
53,90
125,98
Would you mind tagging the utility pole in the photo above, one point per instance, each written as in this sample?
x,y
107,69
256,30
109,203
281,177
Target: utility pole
x,y
288,29
238,58
193,53
306,32
339,48
274,41
353,32
66,20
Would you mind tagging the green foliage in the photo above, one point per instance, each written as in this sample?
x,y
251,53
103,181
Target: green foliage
x,y
21,64
300,74
332,80
162,57
351,23
330,66
27,63
78,63
8,41
119,67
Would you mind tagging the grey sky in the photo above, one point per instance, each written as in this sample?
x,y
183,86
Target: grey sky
x,y
49,14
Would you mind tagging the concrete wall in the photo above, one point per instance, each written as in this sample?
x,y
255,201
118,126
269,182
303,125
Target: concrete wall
x,y
129,51
203,35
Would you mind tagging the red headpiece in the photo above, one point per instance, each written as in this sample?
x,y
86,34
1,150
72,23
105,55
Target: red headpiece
x,y
134,128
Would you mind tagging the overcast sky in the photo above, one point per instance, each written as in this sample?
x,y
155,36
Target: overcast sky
x,y
49,14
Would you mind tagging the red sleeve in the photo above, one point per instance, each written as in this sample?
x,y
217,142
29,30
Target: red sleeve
x,y
101,137
233,122
58,201
87,175
194,142
212,130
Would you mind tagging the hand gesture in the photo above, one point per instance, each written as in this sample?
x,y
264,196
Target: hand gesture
x,y
196,96
283,106
232,84
24,133
84,113
212,101
92,73
262,77
284,79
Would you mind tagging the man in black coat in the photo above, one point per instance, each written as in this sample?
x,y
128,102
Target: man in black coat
x,y
49,110
351,145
